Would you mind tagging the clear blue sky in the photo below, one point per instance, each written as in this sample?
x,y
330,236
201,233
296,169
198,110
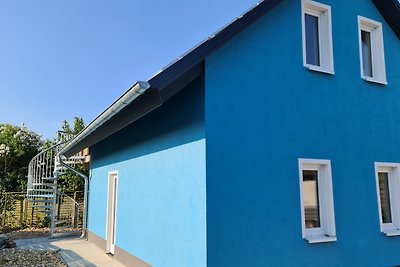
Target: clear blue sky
x,y
66,58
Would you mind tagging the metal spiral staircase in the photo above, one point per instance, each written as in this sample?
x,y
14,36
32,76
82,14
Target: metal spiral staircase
x,y
43,173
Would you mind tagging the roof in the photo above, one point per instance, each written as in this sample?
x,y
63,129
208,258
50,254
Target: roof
x,y
143,97
162,86
390,10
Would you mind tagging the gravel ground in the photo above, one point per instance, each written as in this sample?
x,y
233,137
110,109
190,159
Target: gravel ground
x,y
36,233
34,258
19,257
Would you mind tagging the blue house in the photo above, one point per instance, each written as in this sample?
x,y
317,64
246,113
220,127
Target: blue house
x,y
275,142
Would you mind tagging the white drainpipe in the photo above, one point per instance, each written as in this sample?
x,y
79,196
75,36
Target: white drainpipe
x,y
135,91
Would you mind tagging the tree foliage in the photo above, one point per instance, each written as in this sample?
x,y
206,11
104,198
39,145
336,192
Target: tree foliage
x,y
18,146
78,126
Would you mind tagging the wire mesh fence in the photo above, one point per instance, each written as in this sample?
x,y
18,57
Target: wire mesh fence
x,y
17,212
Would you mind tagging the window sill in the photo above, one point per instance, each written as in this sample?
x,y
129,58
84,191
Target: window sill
x,y
320,239
319,69
393,232
372,80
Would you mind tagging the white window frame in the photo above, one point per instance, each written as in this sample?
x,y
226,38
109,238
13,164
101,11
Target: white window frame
x,y
377,50
393,228
323,12
327,231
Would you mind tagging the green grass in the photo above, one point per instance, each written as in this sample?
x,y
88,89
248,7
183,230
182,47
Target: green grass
x,y
3,260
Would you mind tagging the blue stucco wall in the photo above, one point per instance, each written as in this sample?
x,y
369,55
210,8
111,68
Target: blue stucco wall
x,y
161,189
274,111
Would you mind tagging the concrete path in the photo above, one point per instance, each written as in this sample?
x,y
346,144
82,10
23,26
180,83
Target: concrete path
x,y
76,252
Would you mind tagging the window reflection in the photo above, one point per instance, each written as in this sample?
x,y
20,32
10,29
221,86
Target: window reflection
x,y
385,197
312,40
366,53
310,198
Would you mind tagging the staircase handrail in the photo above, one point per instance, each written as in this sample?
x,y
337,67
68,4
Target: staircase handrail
x,y
70,198
47,149
76,207
36,157
85,196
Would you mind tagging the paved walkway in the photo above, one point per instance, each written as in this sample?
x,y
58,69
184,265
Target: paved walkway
x,y
75,251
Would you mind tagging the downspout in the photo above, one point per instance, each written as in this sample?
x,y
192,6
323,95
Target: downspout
x,y
85,195
135,91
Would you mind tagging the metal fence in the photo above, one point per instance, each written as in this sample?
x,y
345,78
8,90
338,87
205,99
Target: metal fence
x,y
17,212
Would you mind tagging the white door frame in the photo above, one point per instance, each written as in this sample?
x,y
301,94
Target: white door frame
x,y
111,211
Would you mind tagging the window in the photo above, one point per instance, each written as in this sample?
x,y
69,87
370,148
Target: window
x,y
388,186
372,58
316,192
317,37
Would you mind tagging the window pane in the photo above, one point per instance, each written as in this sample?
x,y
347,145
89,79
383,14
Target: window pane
x,y
366,53
312,40
385,197
310,199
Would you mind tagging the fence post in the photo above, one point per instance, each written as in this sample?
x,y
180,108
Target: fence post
x,y
4,210
32,213
75,213
60,200
25,210
21,212
1,208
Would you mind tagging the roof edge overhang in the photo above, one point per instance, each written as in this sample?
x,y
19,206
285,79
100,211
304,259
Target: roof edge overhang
x,y
390,10
135,91
162,86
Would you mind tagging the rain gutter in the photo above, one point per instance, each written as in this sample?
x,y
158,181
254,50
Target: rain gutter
x,y
135,91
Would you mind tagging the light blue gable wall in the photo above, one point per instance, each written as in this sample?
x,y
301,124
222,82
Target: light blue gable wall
x,y
161,192
264,110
